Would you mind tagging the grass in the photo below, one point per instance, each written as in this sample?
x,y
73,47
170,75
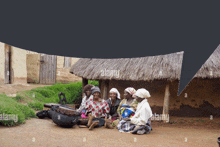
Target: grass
x,y
10,105
36,98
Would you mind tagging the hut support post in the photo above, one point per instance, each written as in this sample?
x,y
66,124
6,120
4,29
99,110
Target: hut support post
x,y
105,90
100,85
166,103
84,83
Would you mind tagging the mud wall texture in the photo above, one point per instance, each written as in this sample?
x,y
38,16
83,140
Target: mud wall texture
x,y
19,68
201,98
156,89
33,68
63,74
60,61
2,62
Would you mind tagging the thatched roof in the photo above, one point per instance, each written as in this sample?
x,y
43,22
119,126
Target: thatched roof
x,y
211,68
135,69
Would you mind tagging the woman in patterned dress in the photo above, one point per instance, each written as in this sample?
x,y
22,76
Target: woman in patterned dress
x,y
97,109
88,95
126,109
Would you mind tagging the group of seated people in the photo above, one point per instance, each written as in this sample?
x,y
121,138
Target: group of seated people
x,y
132,114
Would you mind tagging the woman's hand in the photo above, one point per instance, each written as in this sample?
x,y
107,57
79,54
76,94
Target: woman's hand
x,y
119,115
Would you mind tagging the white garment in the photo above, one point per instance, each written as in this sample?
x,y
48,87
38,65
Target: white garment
x,y
142,93
83,104
142,114
116,91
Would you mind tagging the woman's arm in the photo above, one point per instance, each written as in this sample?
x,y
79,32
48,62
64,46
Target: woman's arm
x,y
82,106
142,118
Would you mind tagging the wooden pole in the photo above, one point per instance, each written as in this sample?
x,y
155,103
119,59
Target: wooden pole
x,y
166,103
84,83
7,50
106,88
100,85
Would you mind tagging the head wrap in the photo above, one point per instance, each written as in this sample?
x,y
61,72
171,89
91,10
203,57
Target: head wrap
x,y
142,93
87,87
115,91
95,89
130,90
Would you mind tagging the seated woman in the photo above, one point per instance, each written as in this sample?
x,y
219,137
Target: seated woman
x,y
113,103
96,109
140,122
88,95
126,109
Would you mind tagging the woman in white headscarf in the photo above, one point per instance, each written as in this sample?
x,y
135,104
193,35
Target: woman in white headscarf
x,y
113,103
141,119
126,109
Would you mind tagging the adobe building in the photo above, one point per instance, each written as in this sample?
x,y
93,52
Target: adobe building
x,y
19,66
160,75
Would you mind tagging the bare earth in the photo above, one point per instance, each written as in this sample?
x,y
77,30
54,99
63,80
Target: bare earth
x,y
13,88
43,132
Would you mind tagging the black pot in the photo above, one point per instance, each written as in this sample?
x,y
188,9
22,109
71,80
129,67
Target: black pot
x,y
218,141
42,114
64,120
50,113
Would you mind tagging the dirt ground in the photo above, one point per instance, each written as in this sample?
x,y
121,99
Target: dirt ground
x,y
13,88
43,132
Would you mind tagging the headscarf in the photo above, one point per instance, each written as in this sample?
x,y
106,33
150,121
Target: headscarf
x,y
142,93
95,89
130,90
116,91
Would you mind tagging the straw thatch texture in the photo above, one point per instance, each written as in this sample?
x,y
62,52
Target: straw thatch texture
x,y
134,69
211,68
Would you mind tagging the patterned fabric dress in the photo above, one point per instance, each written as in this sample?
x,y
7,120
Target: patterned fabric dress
x,y
127,111
97,109
83,104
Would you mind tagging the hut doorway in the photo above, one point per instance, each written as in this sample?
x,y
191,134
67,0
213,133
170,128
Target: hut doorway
x,y
48,68
8,64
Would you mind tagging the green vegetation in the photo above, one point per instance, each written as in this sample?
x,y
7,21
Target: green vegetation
x,y
10,105
35,99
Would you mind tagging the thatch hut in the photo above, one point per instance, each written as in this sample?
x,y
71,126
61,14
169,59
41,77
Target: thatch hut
x,y
158,74
201,97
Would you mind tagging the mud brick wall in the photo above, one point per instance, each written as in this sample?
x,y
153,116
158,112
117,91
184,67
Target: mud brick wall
x,y
33,68
201,97
2,62
156,89
64,76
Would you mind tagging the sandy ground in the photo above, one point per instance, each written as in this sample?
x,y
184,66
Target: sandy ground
x,y
43,132
13,88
